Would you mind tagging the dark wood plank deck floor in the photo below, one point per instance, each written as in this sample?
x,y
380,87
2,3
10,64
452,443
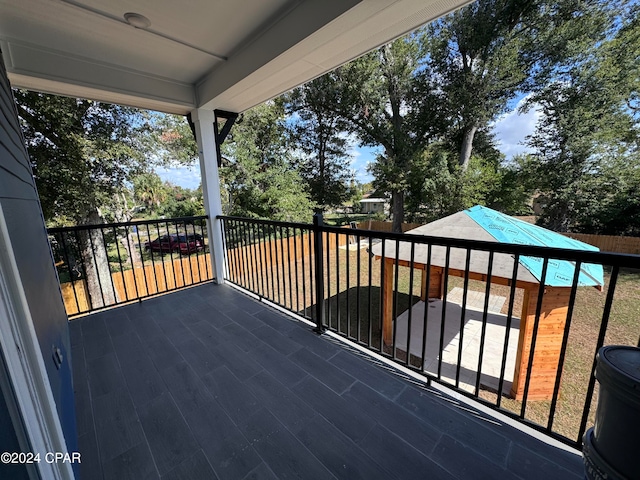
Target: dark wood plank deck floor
x,y
208,383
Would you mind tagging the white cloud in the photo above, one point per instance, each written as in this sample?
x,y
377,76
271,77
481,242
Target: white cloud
x,y
512,128
361,158
187,177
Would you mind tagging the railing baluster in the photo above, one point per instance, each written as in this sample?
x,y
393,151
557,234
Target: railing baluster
x,y
163,264
318,253
66,256
95,262
534,337
465,289
124,283
225,248
135,281
275,249
485,313
505,348
256,260
396,287
370,292
409,320
327,252
426,308
313,289
133,267
563,348
289,268
358,320
601,335
197,253
234,252
184,282
295,259
84,267
445,283
304,286
348,274
269,244
338,316
262,257
248,276
383,264
189,251
153,263
173,266
204,247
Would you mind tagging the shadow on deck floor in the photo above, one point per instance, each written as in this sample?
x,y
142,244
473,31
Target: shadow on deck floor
x,y
208,383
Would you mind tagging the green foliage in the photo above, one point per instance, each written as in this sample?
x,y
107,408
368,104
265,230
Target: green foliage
x,y
610,202
257,175
149,191
173,140
318,135
513,187
380,98
83,153
480,57
589,128
182,202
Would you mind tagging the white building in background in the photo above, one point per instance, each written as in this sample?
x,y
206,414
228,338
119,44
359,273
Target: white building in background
x,y
374,205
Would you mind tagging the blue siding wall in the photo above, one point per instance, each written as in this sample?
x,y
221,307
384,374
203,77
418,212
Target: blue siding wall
x,y
19,200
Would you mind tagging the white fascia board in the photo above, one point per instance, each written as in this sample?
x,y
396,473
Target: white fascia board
x,y
36,68
296,26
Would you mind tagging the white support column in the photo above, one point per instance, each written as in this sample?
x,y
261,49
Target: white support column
x,y
203,121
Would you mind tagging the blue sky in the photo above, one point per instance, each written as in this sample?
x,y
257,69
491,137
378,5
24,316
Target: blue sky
x,y
510,129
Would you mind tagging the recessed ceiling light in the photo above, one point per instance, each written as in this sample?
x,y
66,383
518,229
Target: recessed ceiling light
x,y
137,20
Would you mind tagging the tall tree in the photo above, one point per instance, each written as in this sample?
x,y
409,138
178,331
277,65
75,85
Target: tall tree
x,y
381,99
320,137
481,56
257,175
83,155
589,122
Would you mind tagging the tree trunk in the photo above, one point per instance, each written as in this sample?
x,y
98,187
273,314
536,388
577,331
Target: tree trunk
x,y
397,211
467,145
96,265
129,244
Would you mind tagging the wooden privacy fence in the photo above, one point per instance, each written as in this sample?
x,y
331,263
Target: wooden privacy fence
x,y
141,282
378,226
268,253
609,243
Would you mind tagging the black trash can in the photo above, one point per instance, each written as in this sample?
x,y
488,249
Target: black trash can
x,y
612,447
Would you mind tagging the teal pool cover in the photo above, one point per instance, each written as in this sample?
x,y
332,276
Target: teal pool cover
x,y
506,229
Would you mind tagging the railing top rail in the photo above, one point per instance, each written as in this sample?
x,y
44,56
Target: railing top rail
x,y
276,223
126,224
584,256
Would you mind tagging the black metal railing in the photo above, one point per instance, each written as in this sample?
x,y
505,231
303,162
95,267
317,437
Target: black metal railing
x,y
476,321
100,266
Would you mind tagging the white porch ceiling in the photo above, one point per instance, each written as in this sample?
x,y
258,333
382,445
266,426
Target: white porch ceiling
x,y
226,54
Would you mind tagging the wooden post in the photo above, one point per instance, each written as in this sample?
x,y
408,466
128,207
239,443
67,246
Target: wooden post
x,y
553,317
387,302
436,284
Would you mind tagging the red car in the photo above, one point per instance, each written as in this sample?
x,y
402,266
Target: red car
x,y
175,243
